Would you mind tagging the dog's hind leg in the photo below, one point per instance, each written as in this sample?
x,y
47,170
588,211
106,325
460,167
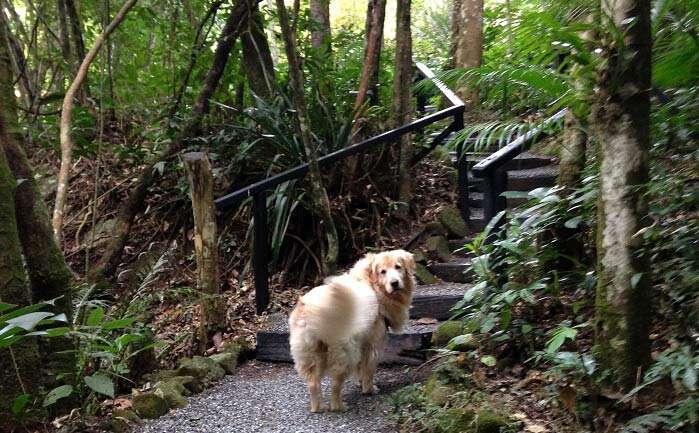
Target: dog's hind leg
x,y
336,403
314,377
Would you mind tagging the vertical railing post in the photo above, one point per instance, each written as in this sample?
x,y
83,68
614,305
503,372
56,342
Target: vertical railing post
x,y
260,251
494,184
462,170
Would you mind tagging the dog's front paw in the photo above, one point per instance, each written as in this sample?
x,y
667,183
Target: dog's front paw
x,y
318,408
338,406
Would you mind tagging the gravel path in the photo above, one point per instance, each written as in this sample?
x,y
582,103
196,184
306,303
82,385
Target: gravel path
x,y
271,398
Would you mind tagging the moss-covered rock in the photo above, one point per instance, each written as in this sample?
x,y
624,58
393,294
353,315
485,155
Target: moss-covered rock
x,y
433,228
463,343
446,331
466,420
203,370
127,414
115,425
423,275
148,405
419,256
226,360
489,422
438,393
437,248
452,222
173,391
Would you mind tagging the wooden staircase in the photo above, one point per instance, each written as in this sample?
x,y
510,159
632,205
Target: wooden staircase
x,y
526,172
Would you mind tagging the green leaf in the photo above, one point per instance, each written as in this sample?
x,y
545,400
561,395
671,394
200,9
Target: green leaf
x,y
635,279
118,324
5,307
527,328
19,404
689,378
101,384
573,222
95,317
30,320
56,394
489,360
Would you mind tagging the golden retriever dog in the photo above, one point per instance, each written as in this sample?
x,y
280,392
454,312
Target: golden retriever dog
x,y
340,328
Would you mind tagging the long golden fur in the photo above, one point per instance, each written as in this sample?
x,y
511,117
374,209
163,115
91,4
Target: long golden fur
x,y
339,329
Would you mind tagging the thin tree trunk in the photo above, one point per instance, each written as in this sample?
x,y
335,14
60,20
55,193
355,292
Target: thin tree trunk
x,y
79,44
201,190
318,194
19,60
468,49
66,114
402,109
257,58
134,202
572,153
376,14
64,38
621,119
320,25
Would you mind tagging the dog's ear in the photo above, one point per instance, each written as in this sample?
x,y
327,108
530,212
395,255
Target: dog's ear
x,y
407,260
364,268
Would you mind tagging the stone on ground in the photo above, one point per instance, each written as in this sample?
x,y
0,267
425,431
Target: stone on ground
x,y
173,391
463,343
227,360
148,405
452,222
423,275
437,248
205,371
446,331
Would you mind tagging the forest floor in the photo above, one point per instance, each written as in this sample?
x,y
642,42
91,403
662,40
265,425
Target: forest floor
x,y
272,398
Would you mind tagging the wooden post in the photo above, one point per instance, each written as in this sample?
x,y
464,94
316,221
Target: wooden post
x,y
260,252
201,186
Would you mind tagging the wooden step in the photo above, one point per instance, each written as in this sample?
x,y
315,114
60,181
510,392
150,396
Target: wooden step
x,y
457,246
436,300
475,199
453,271
521,180
408,348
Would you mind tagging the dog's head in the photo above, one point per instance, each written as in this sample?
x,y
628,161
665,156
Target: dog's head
x,y
390,271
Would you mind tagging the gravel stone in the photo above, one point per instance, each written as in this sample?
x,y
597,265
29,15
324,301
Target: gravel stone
x,y
272,398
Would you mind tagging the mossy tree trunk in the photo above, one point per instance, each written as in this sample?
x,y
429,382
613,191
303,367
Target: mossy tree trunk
x,y
320,22
468,43
317,193
621,119
402,107
19,363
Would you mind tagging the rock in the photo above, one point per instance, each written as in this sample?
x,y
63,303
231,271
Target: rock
x,y
423,275
159,375
435,228
452,222
149,406
446,332
490,422
227,360
116,425
463,343
172,391
127,414
419,256
203,370
438,248
465,420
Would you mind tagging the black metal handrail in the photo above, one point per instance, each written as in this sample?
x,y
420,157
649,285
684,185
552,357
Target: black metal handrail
x,y
492,171
259,190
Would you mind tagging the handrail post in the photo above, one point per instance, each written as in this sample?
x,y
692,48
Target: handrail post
x,y
462,170
494,184
260,251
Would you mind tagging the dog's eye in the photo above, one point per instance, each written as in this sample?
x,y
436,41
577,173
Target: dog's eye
x,y
383,271
398,266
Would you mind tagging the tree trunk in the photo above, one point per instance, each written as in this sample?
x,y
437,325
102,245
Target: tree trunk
x,y
201,190
572,153
257,58
621,119
66,114
455,33
320,25
376,13
402,109
79,43
134,202
468,46
318,194
19,364
49,274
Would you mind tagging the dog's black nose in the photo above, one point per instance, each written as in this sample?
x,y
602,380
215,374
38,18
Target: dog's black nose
x,y
395,284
